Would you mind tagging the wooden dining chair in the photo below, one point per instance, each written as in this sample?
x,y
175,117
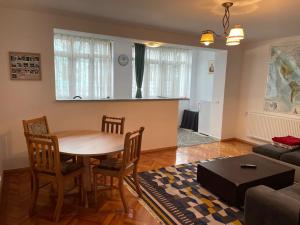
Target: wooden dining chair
x,y
45,163
36,126
113,125
120,167
39,126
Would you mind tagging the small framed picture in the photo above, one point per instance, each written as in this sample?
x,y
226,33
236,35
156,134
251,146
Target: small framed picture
x,y
211,66
25,66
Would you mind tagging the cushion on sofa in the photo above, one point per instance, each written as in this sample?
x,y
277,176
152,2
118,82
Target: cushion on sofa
x,y
292,191
287,140
291,147
270,150
291,157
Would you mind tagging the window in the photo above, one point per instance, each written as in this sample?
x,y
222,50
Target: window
x,y
167,73
83,67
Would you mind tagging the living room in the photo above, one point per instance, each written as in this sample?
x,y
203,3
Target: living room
x,y
245,112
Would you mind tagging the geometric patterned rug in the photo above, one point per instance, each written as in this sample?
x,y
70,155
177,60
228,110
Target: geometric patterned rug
x,y
173,196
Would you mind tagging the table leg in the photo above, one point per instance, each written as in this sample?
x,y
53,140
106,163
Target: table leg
x,y
86,179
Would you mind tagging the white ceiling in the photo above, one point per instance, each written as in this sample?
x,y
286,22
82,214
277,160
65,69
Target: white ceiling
x,y
262,19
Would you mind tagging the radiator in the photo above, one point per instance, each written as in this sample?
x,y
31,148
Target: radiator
x,y
265,126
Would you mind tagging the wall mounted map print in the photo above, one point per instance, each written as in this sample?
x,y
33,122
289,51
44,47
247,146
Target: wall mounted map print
x,y
25,66
283,87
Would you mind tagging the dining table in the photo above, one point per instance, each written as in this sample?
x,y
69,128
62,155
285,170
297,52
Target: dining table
x,y
86,144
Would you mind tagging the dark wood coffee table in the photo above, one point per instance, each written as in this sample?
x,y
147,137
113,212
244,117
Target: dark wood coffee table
x,y
226,179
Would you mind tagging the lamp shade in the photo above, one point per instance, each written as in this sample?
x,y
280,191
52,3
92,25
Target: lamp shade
x,y
232,41
237,33
207,38
153,44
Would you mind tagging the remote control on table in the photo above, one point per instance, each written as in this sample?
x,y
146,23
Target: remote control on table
x,y
248,165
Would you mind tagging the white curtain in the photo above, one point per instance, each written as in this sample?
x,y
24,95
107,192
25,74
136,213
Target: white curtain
x,y
167,73
83,67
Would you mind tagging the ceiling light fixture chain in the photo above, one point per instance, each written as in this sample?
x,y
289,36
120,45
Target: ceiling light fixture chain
x,y
233,37
226,17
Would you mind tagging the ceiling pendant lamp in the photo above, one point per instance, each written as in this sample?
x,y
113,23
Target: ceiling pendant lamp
x,y
232,41
207,38
233,37
237,32
153,44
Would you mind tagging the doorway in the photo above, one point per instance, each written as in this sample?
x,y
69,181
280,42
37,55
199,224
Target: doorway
x,y
207,94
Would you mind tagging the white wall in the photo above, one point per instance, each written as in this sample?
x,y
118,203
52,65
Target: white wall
x,y
33,32
217,107
202,98
232,92
256,58
201,81
122,74
207,91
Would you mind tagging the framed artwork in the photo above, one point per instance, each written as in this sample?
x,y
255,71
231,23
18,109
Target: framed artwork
x,y
283,85
211,66
25,66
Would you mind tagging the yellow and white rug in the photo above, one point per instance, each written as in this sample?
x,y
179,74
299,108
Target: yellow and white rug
x,y
173,196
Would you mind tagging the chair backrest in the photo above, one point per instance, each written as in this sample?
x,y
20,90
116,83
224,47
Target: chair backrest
x,y
132,148
43,153
113,124
38,126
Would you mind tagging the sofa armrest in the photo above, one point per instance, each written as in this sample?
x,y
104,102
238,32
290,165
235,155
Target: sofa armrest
x,y
265,206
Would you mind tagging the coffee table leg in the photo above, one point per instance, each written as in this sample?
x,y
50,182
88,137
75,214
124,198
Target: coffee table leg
x,y
86,180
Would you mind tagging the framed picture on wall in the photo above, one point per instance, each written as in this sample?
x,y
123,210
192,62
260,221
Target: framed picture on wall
x,y
211,66
25,66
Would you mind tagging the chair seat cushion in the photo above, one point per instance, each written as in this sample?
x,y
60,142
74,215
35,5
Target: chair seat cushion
x,y
270,150
100,157
67,168
110,164
65,157
291,157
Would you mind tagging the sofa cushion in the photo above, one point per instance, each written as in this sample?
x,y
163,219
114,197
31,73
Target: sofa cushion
x,y
287,140
291,157
292,191
292,147
270,150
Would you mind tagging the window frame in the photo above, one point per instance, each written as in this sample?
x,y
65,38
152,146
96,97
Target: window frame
x,y
74,59
161,83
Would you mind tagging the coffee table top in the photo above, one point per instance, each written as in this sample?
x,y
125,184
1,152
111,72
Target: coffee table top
x,y
229,168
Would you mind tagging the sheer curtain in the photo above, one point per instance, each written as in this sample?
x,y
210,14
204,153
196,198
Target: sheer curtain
x,y
83,67
167,73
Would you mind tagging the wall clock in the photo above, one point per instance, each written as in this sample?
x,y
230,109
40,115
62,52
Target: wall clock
x,y
123,60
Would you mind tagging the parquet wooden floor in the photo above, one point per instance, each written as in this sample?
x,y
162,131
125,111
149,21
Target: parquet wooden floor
x,y
109,211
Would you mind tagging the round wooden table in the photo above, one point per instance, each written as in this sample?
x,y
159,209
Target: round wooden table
x,y
87,143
